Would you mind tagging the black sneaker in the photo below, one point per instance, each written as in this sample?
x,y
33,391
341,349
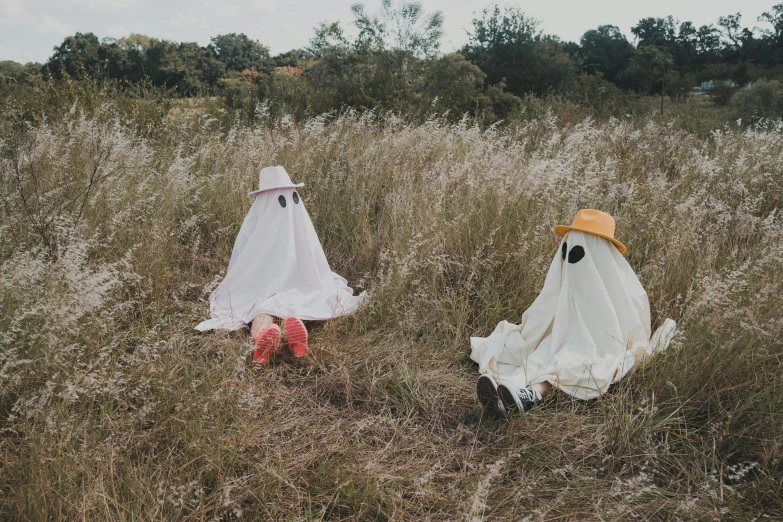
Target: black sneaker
x,y
487,391
524,398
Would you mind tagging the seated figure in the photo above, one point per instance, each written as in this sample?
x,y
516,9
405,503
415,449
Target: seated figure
x,y
586,329
278,269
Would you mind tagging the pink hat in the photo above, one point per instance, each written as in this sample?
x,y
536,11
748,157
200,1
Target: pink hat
x,y
274,178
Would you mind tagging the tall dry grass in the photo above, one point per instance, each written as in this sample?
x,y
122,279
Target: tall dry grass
x,y
113,408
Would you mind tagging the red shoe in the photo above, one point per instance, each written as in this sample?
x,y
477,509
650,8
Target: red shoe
x,y
296,335
266,342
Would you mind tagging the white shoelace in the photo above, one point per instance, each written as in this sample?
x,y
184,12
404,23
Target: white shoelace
x,y
528,394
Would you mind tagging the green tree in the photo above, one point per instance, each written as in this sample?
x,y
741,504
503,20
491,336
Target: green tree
x,y
76,57
708,44
401,27
644,73
775,19
451,83
731,29
398,37
658,32
555,69
328,36
772,39
508,47
605,49
685,49
12,72
454,82
739,43
186,67
343,77
237,52
382,66
602,96
294,58
120,62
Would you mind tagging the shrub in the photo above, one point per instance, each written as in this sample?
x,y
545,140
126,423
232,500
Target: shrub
x,y
721,92
764,99
678,86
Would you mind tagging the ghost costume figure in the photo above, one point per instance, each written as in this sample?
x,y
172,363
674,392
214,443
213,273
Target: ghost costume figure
x,y
586,329
278,269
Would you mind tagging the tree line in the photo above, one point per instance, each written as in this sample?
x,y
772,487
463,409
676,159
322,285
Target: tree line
x,y
392,61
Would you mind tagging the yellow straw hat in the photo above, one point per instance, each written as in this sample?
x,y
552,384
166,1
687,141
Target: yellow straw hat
x,y
594,222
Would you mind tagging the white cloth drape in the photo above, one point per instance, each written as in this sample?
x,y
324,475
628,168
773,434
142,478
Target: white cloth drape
x,y
586,329
278,267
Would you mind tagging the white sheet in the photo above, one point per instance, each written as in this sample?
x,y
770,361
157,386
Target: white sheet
x,y
586,329
278,267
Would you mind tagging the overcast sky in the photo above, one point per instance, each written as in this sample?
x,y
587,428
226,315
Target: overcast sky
x,y
29,29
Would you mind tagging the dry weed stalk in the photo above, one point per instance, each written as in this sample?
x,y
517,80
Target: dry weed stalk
x,y
112,407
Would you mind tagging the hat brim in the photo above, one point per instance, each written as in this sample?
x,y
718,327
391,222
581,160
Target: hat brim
x,y
562,230
275,188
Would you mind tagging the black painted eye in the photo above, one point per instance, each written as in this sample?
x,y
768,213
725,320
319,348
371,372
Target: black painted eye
x,y
576,254
281,199
296,198
565,249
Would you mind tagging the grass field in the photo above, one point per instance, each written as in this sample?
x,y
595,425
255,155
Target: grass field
x,y
113,408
